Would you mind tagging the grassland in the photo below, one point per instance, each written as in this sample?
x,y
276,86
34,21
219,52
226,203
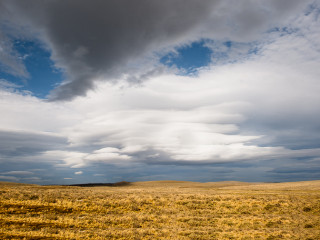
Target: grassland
x,y
161,210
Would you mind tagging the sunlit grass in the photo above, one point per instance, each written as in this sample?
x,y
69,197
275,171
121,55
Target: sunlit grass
x,y
161,210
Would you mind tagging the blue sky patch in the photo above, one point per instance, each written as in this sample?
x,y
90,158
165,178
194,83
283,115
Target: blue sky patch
x,y
43,76
188,59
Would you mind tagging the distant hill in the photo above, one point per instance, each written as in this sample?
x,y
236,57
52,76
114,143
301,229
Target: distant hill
x,y
304,185
227,185
232,185
186,184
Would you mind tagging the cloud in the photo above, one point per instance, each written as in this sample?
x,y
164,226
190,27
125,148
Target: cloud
x,y
78,173
9,86
92,39
64,158
10,60
10,178
107,154
98,175
101,40
247,119
18,173
33,179
236,112
242,111
17,143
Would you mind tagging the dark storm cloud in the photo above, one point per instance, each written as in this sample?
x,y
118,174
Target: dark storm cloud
x,y
102,39
92,38
303,172
22,159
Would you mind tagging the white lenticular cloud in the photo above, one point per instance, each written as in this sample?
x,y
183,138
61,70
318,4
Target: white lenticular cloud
x,y
9,178
19,173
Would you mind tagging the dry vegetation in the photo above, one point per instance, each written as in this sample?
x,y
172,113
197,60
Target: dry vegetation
x,y
161,210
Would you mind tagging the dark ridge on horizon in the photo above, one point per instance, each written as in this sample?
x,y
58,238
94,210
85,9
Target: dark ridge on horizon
x,y
117,184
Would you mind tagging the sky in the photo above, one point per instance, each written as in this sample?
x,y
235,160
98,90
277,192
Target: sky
x,y
126,90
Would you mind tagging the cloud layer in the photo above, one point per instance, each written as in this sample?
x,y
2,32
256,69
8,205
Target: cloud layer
x,y
101,40
252,116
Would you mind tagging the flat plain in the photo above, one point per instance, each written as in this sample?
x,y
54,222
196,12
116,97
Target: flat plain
x,y
161,210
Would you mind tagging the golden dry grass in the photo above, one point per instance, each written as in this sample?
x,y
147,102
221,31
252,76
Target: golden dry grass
x,y
161,210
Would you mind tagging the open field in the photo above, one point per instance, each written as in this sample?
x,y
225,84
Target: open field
x,y
161,210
